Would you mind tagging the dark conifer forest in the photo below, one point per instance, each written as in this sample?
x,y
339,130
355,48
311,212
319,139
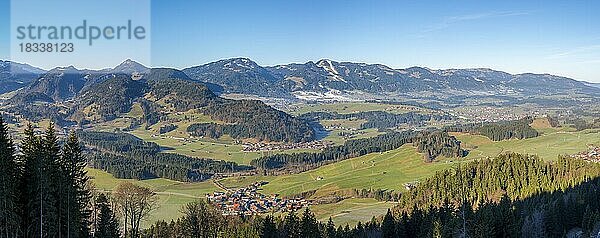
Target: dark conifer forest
x,y
126,156
497,131
43,187
432,143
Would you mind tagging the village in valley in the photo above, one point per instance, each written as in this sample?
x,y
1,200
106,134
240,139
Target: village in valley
x,y
591,155
263,146
248,201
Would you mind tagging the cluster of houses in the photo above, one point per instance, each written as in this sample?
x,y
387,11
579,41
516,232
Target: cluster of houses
x,y
492,114
248,201
339,127
260,146
592,154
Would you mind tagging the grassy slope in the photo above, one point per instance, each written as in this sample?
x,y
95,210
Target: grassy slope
x,y
405,165
202,148
172,195
552,143
389,170
401,166
222,149
351,211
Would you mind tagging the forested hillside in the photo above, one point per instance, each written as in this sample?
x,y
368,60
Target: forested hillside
x,y
252,119
497,131
126,156
108,99
432,144
512,195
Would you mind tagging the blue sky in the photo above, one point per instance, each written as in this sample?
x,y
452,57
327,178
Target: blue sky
x,y
558,37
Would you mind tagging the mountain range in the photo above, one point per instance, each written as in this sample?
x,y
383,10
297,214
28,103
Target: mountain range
x,y
15,75
143,96
324,79
327,78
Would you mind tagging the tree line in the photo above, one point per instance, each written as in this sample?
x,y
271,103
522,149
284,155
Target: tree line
x,y
432,143
581,124
126,156
497,131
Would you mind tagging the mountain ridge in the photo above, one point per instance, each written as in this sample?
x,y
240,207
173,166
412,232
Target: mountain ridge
x,y
343,80
328,76
70,96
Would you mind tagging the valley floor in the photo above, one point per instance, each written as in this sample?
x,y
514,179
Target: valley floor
x,y
390,171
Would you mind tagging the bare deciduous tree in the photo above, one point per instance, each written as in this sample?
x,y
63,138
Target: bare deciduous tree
x,y
134,204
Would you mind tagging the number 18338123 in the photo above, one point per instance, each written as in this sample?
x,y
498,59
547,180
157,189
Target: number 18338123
x,y
46,47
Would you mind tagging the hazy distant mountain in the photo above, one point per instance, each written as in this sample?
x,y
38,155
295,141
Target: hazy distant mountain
x,y
15,75
240,75
311,80
597,85
129,66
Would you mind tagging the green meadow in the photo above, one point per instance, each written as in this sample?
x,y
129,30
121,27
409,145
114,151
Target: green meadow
x,y
351,211
172,195
549,145
389,170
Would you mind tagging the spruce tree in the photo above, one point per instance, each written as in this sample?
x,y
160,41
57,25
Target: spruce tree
x,y
268,230
108,226
9,192
309,225
39,215
330,229
50,152
291,225
73,193
388,225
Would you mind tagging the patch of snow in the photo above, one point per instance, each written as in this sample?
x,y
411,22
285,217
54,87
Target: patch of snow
x,y
333,73
478,79
415,74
